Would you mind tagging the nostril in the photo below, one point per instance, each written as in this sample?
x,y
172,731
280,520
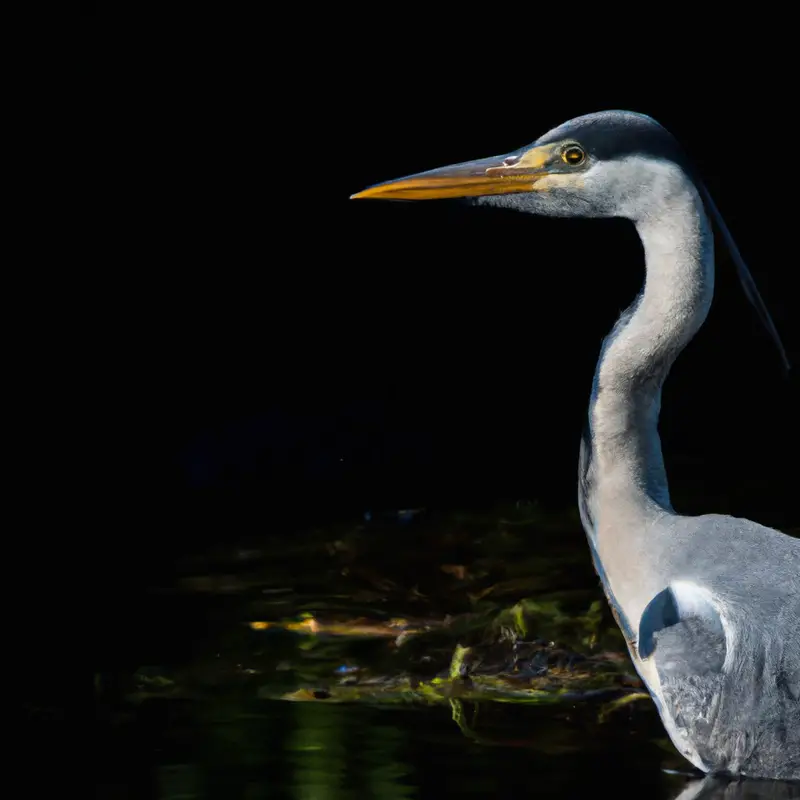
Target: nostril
x,y
510,161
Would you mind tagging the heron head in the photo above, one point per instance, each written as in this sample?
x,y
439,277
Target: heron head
x,y
600,165
608,164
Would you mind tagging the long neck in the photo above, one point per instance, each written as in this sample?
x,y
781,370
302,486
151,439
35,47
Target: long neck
x,y
622,468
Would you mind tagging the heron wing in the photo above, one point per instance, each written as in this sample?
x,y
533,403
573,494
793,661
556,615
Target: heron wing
x,y
681,630
734,701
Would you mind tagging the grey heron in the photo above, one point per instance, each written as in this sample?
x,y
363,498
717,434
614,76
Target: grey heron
x,y
709,605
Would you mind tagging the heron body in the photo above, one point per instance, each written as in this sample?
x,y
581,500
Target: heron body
x,y
709,605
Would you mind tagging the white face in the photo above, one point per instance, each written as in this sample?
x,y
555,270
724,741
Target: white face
x,y
630,187
635,186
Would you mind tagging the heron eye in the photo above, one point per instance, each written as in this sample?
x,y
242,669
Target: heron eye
x,y
573,155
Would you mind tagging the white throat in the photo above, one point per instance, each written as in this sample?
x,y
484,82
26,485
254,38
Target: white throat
x,y
622,468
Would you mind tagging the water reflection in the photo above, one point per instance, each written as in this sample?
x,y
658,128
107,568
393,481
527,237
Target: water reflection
x,y
329,756
336,752
224,747
326,670
712,788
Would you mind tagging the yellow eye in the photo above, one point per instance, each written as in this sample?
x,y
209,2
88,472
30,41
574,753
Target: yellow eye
x,y
573,155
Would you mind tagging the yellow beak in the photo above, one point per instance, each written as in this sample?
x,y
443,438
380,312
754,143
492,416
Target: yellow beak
x,y
515,172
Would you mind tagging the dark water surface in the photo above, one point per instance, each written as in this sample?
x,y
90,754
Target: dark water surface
x,y
465,656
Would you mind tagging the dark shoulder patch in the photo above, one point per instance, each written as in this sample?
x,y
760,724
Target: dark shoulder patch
x,y
690,641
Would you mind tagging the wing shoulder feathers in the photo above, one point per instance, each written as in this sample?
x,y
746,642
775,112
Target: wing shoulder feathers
x,y
682,628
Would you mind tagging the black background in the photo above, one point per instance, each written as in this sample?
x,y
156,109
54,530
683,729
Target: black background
x,y
292,356
270,354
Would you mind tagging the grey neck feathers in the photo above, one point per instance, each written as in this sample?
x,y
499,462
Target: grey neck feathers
x,y
621,464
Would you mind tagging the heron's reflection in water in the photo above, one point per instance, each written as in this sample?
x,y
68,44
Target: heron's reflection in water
x,y
715,788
